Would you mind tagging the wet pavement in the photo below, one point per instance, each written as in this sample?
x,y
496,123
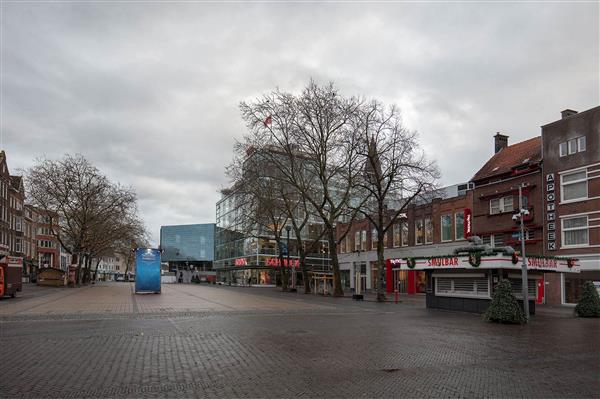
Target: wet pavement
x,y
211,341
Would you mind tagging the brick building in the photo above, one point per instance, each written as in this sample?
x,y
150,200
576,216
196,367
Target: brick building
x,y
429,228
48,246
30,262
496,195
5,217
16,204
571,170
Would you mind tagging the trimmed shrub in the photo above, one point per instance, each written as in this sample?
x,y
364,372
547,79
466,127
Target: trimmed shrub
x,y
589,304
504,307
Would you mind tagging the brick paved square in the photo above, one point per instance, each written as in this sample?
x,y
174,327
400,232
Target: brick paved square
x,y
207,341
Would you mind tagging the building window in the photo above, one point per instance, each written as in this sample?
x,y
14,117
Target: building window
x,y
374,239
462,286
357,241
572,146
343,246
459,225
573,186
18,245
428,231
404,228
446,227
581,144
396,235
500,205
419,233
575,231
363,240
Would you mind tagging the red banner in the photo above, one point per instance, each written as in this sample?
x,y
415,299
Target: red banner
x,y
468,222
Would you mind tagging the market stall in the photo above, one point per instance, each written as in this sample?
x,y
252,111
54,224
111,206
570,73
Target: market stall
x,y
466,282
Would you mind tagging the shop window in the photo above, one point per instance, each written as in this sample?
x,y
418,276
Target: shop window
x,y
575,231
419,233
446,222
428,231
459,225
462,286
574,186
517,290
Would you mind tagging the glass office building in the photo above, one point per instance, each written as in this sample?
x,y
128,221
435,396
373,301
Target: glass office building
x,y
190,245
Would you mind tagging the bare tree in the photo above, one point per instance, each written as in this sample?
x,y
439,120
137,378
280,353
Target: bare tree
x,y
93,213
317,133
396,172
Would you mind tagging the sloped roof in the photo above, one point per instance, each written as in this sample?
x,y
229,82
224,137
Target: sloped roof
x,y
525,152
15,181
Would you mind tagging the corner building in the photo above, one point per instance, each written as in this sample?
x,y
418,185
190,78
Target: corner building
x,y
571,171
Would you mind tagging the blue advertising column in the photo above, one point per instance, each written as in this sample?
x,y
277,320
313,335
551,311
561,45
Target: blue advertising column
x,y
147,270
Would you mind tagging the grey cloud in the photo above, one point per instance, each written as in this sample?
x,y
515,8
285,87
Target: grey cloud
x,y
150,91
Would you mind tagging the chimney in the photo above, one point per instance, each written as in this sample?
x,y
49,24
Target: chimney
x,y
566,113
500,142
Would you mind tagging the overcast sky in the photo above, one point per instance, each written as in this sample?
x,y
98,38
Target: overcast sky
x,y
149,92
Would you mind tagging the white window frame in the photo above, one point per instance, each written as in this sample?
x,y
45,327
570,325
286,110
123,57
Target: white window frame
x,y
425,230
572,143
563,149
462,230
581,147
363,240
404,234
502,205
563,230
396,232
374,238
422,221
449,216
562,185
357,240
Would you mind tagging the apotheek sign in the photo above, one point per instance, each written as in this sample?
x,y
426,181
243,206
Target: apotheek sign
x,y
550,212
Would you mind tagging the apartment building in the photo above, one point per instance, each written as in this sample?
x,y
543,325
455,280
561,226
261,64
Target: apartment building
x,y
433,227
571,172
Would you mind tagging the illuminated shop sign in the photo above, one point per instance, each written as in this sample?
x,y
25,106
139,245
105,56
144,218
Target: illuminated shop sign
x,y
468,226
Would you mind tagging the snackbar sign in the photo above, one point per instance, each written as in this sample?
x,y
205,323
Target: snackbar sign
x,y
550,212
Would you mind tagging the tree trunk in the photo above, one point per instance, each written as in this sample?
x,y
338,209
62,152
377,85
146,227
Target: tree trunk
x,y
380,268
305,278
79,263
96,270
284,277
337,282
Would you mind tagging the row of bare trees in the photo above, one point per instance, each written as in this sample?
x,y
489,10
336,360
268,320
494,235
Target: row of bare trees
x,y
322,156
93,216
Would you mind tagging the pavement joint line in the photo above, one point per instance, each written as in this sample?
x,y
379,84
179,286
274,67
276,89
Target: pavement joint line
x,y
136,309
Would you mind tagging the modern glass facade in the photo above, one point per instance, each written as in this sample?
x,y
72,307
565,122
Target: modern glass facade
x,y
253,259
188,243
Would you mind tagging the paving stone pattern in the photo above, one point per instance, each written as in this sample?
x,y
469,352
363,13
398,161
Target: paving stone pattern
x,y
204,341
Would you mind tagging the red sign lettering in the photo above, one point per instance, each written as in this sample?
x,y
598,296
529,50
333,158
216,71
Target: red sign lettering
x,y
542,262
241,262
442,262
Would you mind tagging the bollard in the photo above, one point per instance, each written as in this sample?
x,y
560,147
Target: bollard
x,y
396,296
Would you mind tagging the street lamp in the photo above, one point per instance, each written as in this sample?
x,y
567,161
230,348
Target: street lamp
x,y
292,271
524,282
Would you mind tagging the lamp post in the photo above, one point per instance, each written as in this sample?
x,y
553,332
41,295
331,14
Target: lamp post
x,y
292,271
524,281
